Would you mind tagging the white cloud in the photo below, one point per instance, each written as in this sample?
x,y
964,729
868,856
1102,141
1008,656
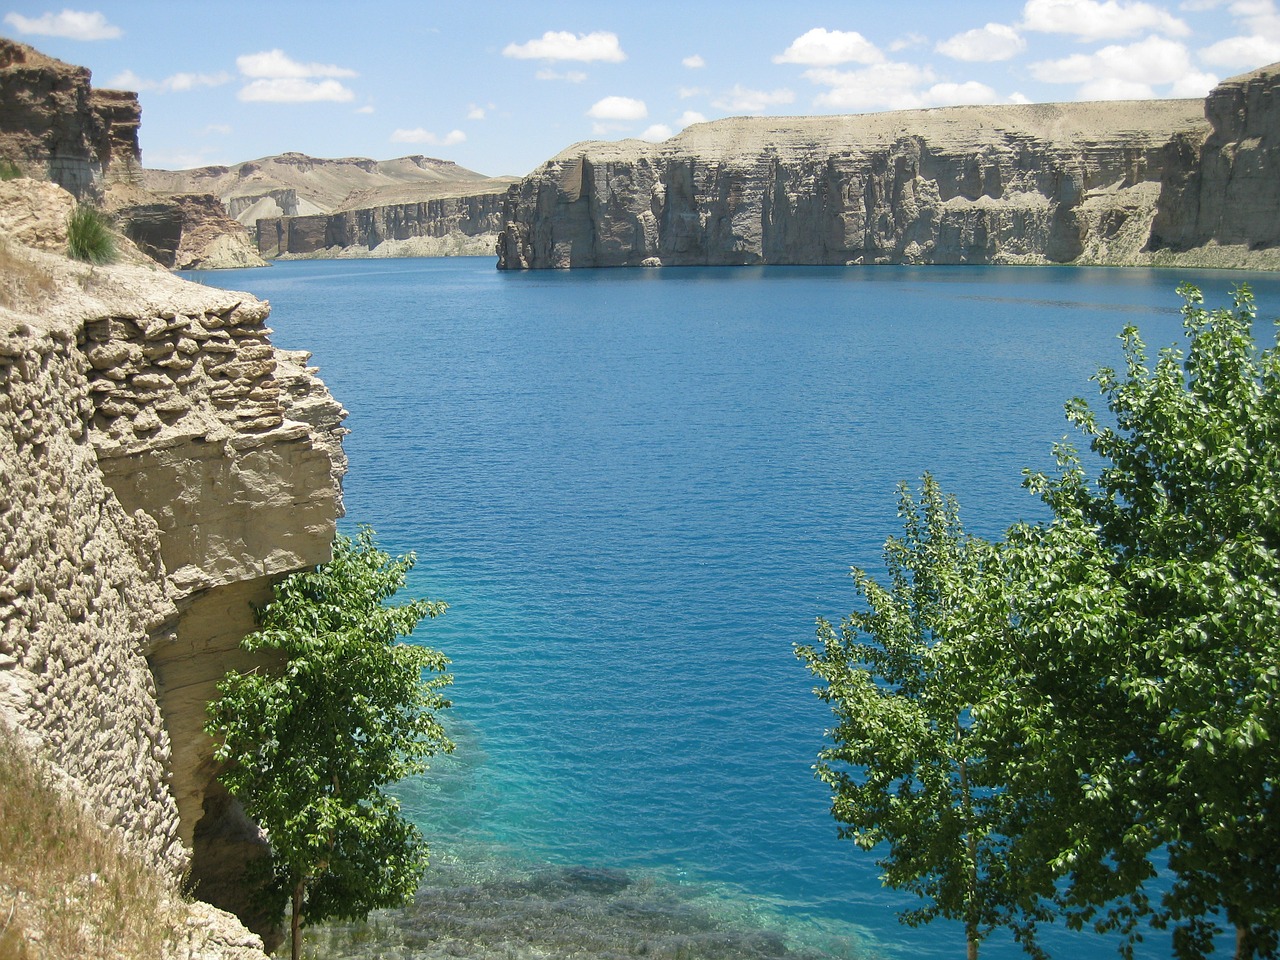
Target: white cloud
x,y
1129,68
687,92
367,108
743,100
1115,88
475,112
689,118
221,129
694,62
880,86
421,135
657,133
276,64
995,41
954,94
178,83
1241,53
618,108
1100,19
910,40
563,45
294,90
824,48
1016,97
571,76
72,24
1194,85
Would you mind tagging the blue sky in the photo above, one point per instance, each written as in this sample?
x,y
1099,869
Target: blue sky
x,y
500,87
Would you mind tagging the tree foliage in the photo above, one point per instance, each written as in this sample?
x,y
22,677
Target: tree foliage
x,y
308,748
1110,676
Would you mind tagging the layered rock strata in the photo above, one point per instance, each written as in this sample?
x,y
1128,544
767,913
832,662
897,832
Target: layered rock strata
x,y
164,465
55,126
186,231
1109,183
462,224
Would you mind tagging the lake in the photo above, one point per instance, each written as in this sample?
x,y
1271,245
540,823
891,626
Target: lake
x,y
636,489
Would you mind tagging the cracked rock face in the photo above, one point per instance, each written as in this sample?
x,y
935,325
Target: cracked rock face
x,y
1037,183
164,465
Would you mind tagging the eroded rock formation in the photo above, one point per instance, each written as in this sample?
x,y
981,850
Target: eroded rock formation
x,y
1109,183
54,126
157,482
185,231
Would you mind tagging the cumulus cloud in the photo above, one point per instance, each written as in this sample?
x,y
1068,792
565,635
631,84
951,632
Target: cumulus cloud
x,y
276,64
1241,53
618,108
1194,85
563,45
1128,71
178,83
294,90
280,79
744,100
569,76
881,86
694,62
909,41
689,118
1258,45
656,133
995,41
825,48
421,135
475,111
72,24
1100,19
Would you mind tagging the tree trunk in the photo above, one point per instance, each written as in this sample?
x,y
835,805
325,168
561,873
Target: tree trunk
x,y
295,922
1244,943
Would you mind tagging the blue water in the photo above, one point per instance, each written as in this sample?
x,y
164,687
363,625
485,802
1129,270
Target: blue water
x,y
636,489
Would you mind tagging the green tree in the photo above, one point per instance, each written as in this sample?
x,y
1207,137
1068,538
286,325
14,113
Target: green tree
x,y
1186,512
308,748
909,764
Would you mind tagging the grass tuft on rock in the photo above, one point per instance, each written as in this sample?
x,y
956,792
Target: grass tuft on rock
x,y
9,170
89,237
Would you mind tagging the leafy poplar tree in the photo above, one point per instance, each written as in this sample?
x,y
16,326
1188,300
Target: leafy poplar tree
x,y
909,764
1187,511
308,748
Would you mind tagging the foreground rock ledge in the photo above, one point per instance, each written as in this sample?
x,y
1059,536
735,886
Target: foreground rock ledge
x,y
164,464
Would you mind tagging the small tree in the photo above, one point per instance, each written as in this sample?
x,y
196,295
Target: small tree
x,y
1187,512
308,748
909,764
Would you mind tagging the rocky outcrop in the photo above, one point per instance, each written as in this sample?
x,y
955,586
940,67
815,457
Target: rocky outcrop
x,y
186,231
55,127
462,224
1223,190
1046,183
157,484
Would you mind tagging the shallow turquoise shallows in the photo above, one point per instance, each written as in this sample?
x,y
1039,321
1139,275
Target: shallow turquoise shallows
x,y
636,489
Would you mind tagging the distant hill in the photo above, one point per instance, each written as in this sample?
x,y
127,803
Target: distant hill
x,y
294,184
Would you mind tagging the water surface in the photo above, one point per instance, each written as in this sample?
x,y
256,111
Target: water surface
x,y
636,489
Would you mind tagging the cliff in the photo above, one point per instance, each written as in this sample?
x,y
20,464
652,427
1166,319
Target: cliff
x,y
1039,183
164,464
301,206
450,221
54,125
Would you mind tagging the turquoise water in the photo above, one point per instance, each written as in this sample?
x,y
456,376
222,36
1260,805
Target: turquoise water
x,y
636,490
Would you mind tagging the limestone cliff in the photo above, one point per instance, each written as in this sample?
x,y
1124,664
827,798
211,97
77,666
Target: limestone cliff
x,y
455,221
163,466
53,125
184,231
1041,183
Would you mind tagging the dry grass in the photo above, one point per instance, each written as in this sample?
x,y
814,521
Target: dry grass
x,y
23,283
68,886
